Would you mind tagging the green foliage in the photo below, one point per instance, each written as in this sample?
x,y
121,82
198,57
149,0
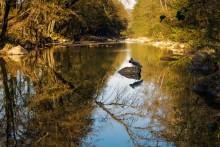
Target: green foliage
x,y
145,19
193,21
102,17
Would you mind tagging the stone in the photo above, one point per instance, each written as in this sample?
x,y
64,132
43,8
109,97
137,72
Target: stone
x,y
135,63
131,72
201,64
209,88
168,58
17,50
200,57
28,44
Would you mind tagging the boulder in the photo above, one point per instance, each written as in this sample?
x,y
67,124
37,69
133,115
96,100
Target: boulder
x,y
131,72
201,64
201,57
17,50
28,45
168,58
136,84
209,88
135,62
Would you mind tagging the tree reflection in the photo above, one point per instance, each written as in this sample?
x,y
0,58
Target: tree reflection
x,y
126,107
186,118
169,114
48,100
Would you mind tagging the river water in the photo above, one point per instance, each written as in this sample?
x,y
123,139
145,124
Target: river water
x,y
69,96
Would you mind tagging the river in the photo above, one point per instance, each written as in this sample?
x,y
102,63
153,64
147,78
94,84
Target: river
x,y
75,96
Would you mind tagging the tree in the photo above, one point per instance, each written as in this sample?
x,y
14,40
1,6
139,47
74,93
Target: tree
x,y
8,4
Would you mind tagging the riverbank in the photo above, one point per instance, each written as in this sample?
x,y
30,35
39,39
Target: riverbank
x,y
203,63
86,41
176,47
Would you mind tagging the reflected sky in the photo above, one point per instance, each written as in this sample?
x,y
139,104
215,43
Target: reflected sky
x,y
130,119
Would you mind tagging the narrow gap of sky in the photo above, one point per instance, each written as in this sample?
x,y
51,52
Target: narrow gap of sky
x,y
129,4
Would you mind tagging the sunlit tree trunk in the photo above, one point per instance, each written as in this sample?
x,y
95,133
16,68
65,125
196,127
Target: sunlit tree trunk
x,y
2,6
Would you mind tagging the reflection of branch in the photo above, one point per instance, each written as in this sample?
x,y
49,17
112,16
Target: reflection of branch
x,y
190,113
42,137
121,104
132,114
63,80
9,103
101,105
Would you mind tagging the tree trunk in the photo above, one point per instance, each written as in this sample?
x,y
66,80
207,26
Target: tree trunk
x,y
5,19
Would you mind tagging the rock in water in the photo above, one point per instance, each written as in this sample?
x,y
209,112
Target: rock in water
x,y
17,50
201,63
167,58
131,72
135,62
209,88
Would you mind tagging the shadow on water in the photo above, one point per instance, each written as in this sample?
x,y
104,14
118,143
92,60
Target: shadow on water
x,y
136,84
76,97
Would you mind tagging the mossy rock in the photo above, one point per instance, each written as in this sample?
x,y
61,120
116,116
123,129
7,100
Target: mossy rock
x,y
131,72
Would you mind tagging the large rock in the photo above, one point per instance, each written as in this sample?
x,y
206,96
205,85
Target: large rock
x,y
201,63
209,88
201,57
168,58
28,45
17,50
131,72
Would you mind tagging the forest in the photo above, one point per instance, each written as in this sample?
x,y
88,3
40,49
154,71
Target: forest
x,y
196,22
193,21
35,20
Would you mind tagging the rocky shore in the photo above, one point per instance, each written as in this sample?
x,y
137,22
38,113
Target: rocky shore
x,y
204,64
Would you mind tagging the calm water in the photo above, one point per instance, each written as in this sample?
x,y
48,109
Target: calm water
x,y
76,97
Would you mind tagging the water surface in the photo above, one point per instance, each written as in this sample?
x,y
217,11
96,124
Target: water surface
x,y
67,96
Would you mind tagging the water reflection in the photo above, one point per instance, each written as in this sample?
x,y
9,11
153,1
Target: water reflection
x,y
76,97
136,84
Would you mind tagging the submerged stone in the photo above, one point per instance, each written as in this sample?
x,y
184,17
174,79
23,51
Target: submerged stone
x,y
168,58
